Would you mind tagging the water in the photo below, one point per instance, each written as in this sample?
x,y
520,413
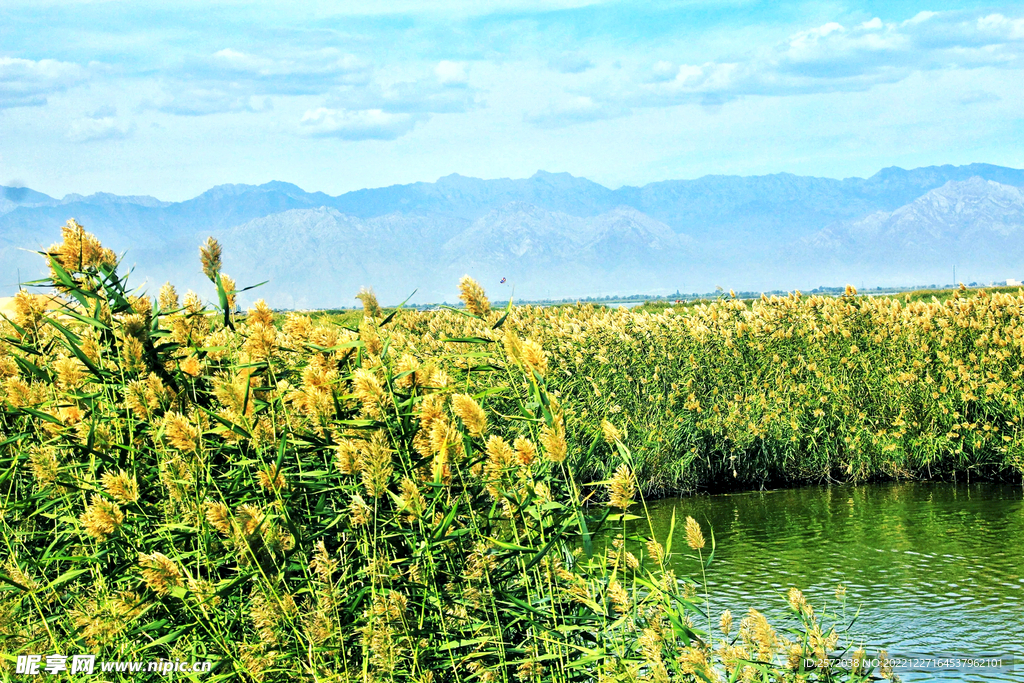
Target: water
x,y
937,570
622,304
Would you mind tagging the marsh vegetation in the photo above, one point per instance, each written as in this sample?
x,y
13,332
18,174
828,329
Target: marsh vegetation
x,y
418,495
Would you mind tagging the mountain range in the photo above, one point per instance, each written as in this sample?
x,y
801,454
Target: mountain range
x,y
551,235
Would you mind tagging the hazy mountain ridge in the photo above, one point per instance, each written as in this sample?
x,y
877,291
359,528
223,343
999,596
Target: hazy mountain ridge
x,y
309,252
552,234
975,224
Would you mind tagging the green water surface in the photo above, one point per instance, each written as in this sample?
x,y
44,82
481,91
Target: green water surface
x,y
936,570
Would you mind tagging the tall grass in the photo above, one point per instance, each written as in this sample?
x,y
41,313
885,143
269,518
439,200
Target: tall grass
x,y
782,390
308,502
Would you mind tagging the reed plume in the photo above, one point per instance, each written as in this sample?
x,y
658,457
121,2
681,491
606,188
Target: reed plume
x,y
694,535
101,518
375,464
472,415
28,309
180,432
80,251
168,298
472,294
621,488
610,432
159,572
370,305
210,258
219,517
122,487
526,451
725,622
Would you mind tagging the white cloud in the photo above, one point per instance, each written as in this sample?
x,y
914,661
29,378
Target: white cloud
x,y
234,81
406,97
664,71
294,72
180,100
573,110
922,16
451,73
230,80
367,124
447,7
978,97
999,26
831,58
239,61
27,83
103,111
570,63
92,129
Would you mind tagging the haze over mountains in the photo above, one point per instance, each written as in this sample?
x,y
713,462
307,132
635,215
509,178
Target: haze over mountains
x,y
552,235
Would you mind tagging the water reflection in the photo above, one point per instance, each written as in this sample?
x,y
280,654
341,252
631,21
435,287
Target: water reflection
x,y
936,569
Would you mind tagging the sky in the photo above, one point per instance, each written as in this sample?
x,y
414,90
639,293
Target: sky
x,y
170,99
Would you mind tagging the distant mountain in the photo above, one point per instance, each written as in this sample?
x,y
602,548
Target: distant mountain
x,y
101,198
22,196
321,257
471,198
543,252
13,197
161,238
552,234
312,254
975,224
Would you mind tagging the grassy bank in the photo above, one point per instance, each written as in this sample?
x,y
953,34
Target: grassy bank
x,y
402,502
794,389
780,390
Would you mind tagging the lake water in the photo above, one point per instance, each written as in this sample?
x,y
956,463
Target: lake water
x,y
937,570
622,304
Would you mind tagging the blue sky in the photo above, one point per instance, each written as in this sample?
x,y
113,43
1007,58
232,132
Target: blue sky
x,y
170,99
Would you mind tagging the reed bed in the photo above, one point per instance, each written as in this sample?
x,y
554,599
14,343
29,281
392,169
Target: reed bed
x,y
402,501
782,390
